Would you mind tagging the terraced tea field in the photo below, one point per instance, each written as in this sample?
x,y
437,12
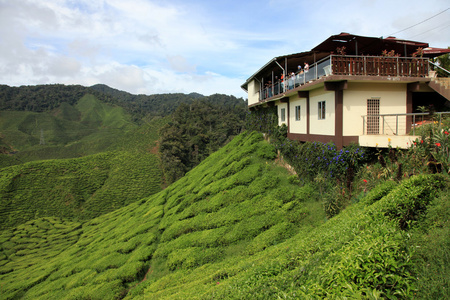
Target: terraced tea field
x,y
238,226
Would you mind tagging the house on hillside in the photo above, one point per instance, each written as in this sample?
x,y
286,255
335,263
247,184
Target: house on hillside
x,y
352,88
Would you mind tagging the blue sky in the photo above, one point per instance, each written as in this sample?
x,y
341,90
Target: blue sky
x,y
156,46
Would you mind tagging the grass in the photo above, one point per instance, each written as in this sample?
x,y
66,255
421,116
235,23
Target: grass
x,y
237,227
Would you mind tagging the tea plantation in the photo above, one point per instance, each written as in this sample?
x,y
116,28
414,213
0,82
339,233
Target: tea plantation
x,y
238,226
68,131
78,188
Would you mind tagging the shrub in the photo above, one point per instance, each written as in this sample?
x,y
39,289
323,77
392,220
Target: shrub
x,y
379,192
409,200
266,151
431,259
310,159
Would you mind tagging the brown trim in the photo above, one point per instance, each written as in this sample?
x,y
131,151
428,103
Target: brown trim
x,y
284,100
303,94
413,86
288,115
347,140
335,85
308,115
338,87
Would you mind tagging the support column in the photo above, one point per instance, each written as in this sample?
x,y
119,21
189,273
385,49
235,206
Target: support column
x,y
338,87
305,94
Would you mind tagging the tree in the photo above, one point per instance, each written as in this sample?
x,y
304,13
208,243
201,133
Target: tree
x,y
444,62
198,129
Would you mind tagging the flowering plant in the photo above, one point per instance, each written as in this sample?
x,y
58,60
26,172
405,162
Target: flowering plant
x,y
441,139
390,53
435,147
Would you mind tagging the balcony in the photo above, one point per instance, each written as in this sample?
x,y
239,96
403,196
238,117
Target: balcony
x,y
395,130
349,65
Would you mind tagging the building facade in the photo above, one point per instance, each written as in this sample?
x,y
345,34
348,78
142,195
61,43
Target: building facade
x,y
352,89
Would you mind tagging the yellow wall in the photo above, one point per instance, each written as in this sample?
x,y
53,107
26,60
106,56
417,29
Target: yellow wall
x,y
297,126
253,92
392,101
279,107
326,126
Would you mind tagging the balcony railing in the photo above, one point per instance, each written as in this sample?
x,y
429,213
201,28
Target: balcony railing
x,y
399,124
380,66
350,65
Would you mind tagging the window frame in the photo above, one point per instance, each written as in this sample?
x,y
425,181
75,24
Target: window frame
x,y
298,115
321,110
283,114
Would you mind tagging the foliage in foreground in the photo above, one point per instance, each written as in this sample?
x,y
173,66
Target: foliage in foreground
x,y
235,227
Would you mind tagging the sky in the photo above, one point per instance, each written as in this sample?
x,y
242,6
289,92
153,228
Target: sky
x,y
183,46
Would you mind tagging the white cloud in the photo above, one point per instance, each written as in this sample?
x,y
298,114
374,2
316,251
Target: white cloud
x,y
155,46
180,64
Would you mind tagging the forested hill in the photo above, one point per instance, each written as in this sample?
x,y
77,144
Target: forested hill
x,y
41,98
68,121
163,104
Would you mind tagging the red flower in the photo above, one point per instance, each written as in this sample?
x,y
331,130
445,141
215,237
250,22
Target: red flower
x,y
415,143
438,144
365,181
421,141
446,132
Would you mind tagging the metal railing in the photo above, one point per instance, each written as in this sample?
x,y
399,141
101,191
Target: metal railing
x,y
350,65
441,68
315,71
398,124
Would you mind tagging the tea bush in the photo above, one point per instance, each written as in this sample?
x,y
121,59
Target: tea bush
x,y
409,200
379,192
249,233
77,189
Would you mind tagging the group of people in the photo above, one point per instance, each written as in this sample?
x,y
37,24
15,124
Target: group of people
x,y
282,83
304,70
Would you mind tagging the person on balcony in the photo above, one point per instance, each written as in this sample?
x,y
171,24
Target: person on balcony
x,y
277,86
306,67
291,81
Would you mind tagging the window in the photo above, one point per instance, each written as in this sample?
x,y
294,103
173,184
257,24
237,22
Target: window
x,y
283,114
297,113
373,116
321,110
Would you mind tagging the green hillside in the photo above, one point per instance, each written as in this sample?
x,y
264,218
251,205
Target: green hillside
x,y
76,189
113,161
65,131
239,226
